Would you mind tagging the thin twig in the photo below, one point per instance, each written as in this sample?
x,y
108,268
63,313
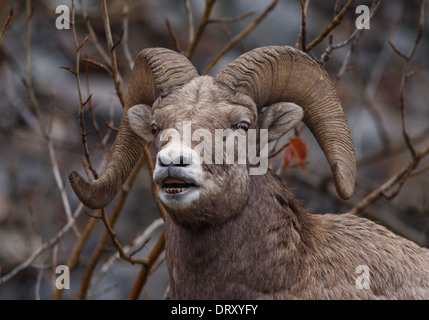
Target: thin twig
x,y
125,47
302,28
8,22
396,49
36,105
95,295
42,248
379,155
108,125
80,95
118,41
344,65
200,29
276,152
396,181
334,23
405,76
402,108
113,61
145,270
369,94
190,20
173,36
303,31
94,38
351,39
116,243
239,37
38,283
97,64
139,241
231,19
91,110
373,9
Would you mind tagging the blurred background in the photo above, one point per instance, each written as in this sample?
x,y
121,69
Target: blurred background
x,y
41,132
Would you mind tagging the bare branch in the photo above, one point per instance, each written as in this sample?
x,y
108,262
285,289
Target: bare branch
x,y
125,47
276,152
396,181
173,36
108,125
334,23
91,110
357,31
94,38
144,271
302,26
302,31
392,150
116,243
200,29
47,245
113,61
8,23
139,241
405,76
239,37
36,105
190,20
98,64
79,90
231,20
398,52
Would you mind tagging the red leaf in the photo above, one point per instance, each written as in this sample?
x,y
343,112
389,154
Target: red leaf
x,y
287,156
298,149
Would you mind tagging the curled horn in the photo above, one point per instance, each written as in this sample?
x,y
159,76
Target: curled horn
x,y
156,72
275,74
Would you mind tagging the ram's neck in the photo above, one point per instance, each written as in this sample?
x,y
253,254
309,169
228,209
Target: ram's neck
x,y
214,263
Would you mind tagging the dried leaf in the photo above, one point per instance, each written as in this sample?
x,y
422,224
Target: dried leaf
x,y
297,148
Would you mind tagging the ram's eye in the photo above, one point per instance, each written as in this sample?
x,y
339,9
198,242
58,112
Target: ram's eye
x,y
243,126
154,129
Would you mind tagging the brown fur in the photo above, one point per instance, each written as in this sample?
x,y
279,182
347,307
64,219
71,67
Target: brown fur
x,y
274,250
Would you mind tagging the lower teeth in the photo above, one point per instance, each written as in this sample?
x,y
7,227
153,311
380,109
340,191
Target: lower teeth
x,y
174,190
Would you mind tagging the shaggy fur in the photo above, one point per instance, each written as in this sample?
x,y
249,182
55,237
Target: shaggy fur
x,y
274,250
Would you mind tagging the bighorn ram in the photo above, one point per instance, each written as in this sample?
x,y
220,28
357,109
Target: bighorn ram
x,y
232,235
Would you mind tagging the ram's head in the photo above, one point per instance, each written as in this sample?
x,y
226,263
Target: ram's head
x,y
267,88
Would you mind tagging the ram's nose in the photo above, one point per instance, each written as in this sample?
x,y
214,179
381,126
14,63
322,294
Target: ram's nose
x,y
177,161
180,160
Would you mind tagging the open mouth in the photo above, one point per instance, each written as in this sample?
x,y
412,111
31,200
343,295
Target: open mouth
x,y
174,185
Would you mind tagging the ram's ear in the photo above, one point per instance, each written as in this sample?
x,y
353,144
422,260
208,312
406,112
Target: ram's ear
x,y
139,118
279,118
